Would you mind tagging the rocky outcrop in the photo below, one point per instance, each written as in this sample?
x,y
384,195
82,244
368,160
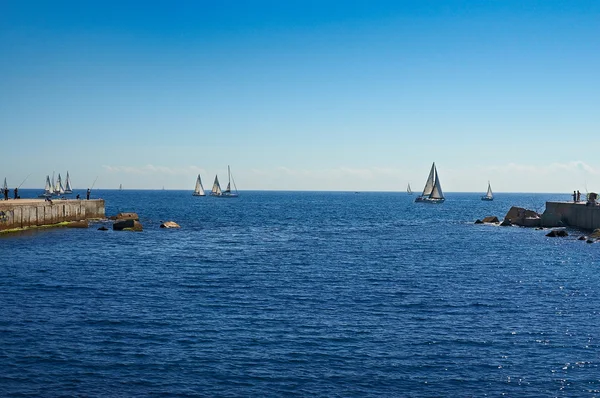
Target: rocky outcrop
x,y
478,221
557,233
127,225
523,217
169,224
505,223
103,228
491,220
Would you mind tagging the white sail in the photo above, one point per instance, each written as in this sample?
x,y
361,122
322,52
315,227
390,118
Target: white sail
x,y
199,189
120,187
408,190
436,192
489,193
68,188
48,187
430,182
58,188
216,188
4,187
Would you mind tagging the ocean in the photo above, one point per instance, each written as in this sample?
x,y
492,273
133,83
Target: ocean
x,y
300,294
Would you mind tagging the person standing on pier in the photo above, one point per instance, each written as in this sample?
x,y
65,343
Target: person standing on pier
x,y
6,194
574,196
17,193
88,194
578,196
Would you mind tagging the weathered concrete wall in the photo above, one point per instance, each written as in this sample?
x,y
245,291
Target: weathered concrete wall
x,y
577,215
23,213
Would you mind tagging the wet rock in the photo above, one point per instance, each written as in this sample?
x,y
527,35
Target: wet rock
x,y
78,224
582,237
590,240
127,225
169,224
491,220
557,233
103,228
506,223
478,221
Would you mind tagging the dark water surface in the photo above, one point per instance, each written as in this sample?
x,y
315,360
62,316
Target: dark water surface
x,y
307,294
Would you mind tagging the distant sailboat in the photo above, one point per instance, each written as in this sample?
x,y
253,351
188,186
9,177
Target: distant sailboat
x,y
489,196
432,193
408,190
68,188
4,187
48,188
228,193
58,188
216,188
120,187
199,189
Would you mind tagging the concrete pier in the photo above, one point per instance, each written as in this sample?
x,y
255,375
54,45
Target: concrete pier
x,y
571,214
24,213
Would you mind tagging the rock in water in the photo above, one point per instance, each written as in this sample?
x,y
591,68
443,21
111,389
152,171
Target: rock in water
x,y
127,225
505,223
478,221
582,237
169,224
557,233
103,228
491,219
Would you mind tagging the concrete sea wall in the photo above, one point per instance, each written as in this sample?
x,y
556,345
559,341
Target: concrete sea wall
x,y
23,213
578,215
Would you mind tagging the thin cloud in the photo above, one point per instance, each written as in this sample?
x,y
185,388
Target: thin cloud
x,y
572,167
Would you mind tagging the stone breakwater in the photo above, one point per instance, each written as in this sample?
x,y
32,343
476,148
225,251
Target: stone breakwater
x,y
581,215
18,214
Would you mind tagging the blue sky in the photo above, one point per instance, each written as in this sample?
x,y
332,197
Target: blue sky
x,y
306,95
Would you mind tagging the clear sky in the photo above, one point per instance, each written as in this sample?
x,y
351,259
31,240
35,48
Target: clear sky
x,y
302,95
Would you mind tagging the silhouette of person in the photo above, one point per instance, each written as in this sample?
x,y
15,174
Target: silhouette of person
x,y
88,194
578,196
574,196
16,193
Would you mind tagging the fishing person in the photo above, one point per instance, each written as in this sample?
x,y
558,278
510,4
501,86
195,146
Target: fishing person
x,y
17,193
88,194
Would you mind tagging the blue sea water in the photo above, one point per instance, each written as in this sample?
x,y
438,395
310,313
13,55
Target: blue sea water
x,y
300,294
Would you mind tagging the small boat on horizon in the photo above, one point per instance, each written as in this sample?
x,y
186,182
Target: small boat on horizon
x,y
227,193
432,193
489,196
408,190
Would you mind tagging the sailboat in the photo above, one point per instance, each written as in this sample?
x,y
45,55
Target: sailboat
x,y
489,196
4,187
48,190
68,188
58,188
408,190
120,187
216,188
432,193
199,189
227,192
